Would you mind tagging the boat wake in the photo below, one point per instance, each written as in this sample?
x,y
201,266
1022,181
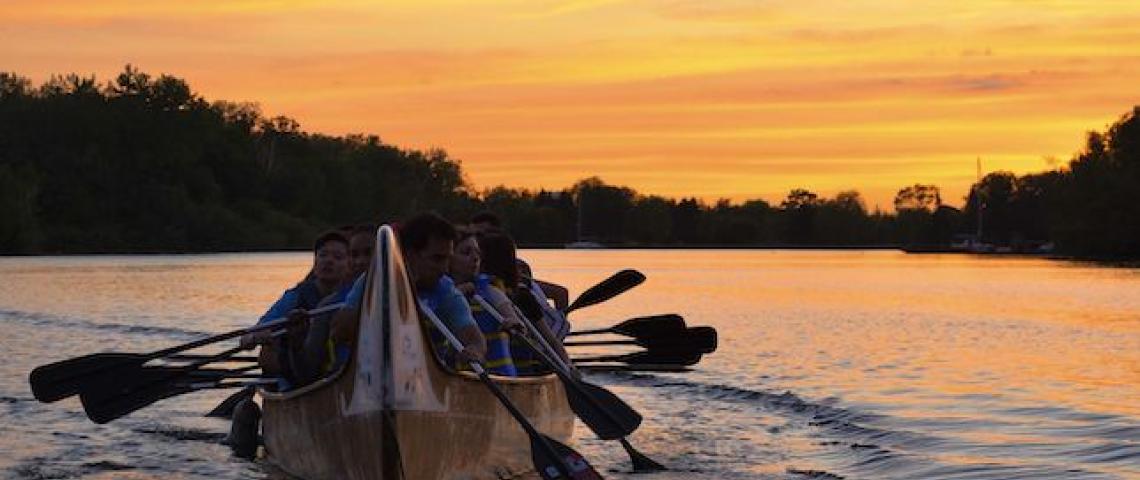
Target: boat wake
x,y
852,443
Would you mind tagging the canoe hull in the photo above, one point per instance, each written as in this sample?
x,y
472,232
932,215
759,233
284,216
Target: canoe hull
x,y
396,413
310,436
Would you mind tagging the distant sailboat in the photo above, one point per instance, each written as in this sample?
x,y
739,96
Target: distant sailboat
x,y
975,244
580,244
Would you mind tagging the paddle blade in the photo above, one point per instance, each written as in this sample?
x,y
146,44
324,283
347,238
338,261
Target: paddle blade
x,y
703,339
607,415
607,289
103,410
682,357
195,357
547,466
666,357
651,326
641,463
110,400
59,380
699,339
226,408
632,368
696,339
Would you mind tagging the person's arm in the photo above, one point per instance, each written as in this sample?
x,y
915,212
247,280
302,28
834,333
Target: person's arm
x,y
346,321
553,291
313,354
316,344
529,306
344,325
281,308
551,339
268,357
456,314
505,308
474,343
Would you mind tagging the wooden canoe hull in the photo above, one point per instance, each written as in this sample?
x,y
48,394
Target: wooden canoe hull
x,y
475,438
399,413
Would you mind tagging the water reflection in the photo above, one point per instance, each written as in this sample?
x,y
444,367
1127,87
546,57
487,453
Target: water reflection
x,y
854,364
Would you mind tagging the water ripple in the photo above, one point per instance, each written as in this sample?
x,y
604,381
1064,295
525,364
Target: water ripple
x,y
48,320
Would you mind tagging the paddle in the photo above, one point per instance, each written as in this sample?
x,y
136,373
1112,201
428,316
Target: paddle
x,y
648,357
59,380
233,359
632,368
210,372
616,420
226,408
552,460
116,396
654,325
607,289
607,415
167,390
702,339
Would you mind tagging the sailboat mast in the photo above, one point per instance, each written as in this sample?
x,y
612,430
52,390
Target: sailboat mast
x,y
980,200
578,237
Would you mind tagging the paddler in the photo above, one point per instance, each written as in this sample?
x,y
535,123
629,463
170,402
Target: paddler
x,y
427,241
464,270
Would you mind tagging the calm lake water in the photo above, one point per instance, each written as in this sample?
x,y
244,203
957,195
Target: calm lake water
x,y
844,364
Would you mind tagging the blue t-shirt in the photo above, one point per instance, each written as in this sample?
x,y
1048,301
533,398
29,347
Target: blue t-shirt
x,y
449,304
446,301
306,296
282,307
355,293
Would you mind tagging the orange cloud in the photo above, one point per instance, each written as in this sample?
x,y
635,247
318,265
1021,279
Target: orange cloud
x,y
716,99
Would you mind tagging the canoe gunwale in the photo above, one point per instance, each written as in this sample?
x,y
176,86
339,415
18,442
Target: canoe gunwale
x,y
323,382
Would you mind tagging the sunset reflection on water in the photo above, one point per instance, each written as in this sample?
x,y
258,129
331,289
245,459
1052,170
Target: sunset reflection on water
x,y
861,364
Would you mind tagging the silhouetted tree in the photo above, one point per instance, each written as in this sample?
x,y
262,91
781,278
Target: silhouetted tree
x,y
603,209
1097,211
994,195
799,210
650,221
143,163
918,197
843,220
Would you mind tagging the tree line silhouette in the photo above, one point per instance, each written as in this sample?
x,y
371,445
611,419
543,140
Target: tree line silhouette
x,y
144,164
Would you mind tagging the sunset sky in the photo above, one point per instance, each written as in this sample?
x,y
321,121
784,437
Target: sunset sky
x,y
735,99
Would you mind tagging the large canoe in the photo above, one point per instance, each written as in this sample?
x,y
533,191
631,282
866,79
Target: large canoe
x,y
395,412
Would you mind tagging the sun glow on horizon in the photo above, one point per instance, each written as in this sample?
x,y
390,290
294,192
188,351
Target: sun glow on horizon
x,y
733,99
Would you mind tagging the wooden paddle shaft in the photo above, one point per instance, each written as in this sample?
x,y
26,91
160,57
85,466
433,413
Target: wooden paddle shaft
x,y
560,464
277,322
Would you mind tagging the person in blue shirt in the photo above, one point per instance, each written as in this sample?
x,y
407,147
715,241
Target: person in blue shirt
x,y
321,355
285,356
325,282
427,241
